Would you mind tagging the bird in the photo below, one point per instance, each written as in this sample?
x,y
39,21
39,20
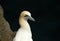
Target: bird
x,y
24,33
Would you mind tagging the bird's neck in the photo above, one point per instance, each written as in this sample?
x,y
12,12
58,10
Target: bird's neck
x,y
24,24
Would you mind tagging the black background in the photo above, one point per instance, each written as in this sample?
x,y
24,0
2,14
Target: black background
x,y
46,13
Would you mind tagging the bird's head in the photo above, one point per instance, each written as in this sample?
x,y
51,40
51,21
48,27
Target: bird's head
x,y
26,15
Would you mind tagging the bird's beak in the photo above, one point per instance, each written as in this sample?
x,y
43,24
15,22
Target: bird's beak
x,y
31,18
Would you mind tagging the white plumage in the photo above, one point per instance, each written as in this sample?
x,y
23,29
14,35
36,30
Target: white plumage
x,y
24,32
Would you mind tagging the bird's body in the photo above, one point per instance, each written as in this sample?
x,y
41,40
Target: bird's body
x,y
23,35
24,32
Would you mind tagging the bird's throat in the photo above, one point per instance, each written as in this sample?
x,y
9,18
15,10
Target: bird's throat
x,y
24,24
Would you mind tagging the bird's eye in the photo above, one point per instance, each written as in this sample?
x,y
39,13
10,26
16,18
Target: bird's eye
x,y
26,16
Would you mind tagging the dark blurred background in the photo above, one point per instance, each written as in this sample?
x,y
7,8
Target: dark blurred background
x,y
46,13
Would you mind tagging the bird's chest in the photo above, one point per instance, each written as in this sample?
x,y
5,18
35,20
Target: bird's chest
x,y
24,35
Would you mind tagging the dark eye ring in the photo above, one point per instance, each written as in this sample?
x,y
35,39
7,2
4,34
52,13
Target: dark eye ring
x,y
26,16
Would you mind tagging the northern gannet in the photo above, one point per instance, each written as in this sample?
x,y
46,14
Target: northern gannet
x,y
24,32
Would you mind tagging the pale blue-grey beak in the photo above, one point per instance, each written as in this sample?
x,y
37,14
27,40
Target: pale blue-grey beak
x,y
31,18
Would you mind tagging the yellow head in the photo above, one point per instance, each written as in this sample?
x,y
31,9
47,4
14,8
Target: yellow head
x,y
26,15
